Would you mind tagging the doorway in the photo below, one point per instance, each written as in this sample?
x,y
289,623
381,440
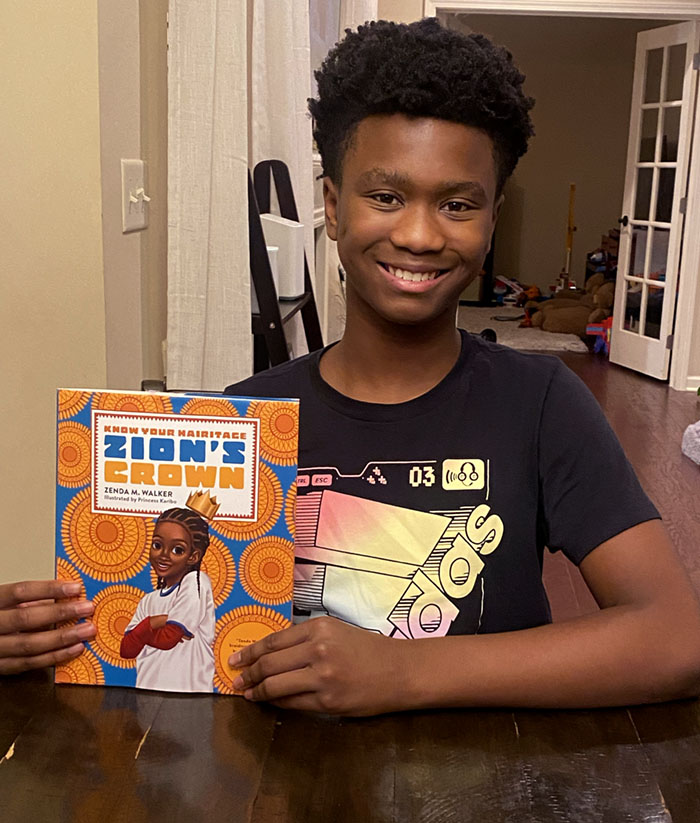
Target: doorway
x,y
589,62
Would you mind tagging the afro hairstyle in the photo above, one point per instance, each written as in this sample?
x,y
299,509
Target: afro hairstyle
x,y
420,69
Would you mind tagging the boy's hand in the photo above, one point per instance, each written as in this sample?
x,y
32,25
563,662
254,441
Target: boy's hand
x,y
322,665
28,611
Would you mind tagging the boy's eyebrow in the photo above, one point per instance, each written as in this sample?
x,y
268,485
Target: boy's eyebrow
x,y
378,176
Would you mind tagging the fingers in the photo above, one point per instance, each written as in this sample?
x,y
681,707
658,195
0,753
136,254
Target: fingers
x,y
15,665
27,609
286,685
35,644
33,618
270,664
13,594
274,642
35,603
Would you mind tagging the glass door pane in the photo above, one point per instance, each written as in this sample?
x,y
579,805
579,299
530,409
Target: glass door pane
x,y
652,90
653,309
675,71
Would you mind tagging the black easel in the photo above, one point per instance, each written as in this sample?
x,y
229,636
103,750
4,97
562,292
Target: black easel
x,y
270,344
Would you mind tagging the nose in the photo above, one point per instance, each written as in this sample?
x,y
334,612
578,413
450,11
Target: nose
x,y
417,230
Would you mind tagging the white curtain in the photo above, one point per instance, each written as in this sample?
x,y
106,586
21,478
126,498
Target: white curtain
x,y
209,335
352,14
280,127
355,12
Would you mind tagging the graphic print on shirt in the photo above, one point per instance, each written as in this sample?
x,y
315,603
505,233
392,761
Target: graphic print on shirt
x,y
385,567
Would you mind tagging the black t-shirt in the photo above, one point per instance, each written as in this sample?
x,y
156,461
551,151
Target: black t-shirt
x,y
430,517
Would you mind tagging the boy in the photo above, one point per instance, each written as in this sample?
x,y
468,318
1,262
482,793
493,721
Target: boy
x,y
434,466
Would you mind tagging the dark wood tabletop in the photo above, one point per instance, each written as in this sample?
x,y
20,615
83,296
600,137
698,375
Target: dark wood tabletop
x,y
80,753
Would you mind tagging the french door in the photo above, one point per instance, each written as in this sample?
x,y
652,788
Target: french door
x,y
663,102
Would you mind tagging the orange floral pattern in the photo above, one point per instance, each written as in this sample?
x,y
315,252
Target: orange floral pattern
x,y
74,461
236,629
71,402
279,430
85,669
104,546
267,570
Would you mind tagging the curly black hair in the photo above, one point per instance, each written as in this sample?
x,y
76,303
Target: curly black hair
x,y
421,70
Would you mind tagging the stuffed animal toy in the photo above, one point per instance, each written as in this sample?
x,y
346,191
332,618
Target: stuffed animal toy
x,y
604,299
570,311
531,294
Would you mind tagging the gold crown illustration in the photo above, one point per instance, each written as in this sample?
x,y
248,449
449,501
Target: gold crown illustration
x,y
203,504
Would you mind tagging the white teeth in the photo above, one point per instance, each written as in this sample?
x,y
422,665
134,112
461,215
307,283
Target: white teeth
x,y
415,276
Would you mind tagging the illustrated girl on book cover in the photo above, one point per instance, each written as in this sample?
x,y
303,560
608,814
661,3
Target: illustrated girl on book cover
x,y
171,635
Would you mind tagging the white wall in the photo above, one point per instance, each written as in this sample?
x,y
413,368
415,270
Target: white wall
x,y
120,137
52,318
133,120
400,11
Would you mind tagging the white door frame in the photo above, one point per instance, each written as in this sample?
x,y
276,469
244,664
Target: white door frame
x,y
650,9
689,273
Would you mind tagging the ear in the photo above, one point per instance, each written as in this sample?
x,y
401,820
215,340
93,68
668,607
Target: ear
x,y
194,558
330,202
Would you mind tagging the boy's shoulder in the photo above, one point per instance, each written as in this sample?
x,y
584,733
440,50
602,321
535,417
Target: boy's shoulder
x,y
286,380
504,366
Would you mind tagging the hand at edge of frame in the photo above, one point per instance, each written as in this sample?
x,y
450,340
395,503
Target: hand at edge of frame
x,y
28,612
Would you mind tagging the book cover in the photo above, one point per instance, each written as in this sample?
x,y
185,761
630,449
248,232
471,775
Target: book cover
x,y
176,514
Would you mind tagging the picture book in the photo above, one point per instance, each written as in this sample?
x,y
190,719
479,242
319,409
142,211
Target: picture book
x,y
176,514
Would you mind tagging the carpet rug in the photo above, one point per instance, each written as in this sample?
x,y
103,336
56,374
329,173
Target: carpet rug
x,y
476,318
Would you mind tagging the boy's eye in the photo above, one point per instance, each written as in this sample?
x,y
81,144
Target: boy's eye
x,y
385,198
457,206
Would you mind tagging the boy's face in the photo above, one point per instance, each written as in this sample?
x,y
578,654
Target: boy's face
x,y
172,555
413,216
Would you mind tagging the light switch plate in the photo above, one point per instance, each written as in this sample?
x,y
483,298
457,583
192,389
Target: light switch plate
x,y
134,207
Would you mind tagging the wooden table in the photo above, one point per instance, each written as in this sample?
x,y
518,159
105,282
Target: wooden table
x,y
107,754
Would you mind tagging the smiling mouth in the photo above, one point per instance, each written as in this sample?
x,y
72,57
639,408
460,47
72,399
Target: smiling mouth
x,y
414,276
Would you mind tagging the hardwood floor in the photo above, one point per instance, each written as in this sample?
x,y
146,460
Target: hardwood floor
x,y
649,418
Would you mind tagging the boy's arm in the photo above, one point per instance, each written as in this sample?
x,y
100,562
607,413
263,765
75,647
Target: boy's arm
x,y
642,646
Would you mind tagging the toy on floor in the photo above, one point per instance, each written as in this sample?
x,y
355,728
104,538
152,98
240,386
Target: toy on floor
x,y
601,332
531,294
506,290
691,442
570,311
526,322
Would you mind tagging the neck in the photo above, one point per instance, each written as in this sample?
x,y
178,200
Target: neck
x,y
380,362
